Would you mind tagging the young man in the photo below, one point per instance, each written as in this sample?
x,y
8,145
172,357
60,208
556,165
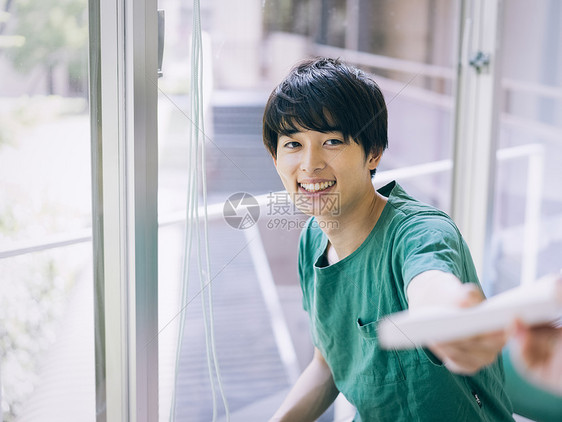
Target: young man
x,y
365,254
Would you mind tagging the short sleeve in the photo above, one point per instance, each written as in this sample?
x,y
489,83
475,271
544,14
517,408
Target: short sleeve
x,y
307,246
301,265
426,243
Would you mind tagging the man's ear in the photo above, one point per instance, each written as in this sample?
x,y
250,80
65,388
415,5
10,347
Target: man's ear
x,y
274,161
374,159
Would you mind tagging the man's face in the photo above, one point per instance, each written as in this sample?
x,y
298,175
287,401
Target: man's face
x,y
325,174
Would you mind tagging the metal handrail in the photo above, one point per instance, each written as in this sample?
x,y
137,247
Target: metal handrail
x,y
51,242
429,70
386,62
548,91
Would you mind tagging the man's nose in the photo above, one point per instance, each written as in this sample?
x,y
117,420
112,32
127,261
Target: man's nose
x,y
312,161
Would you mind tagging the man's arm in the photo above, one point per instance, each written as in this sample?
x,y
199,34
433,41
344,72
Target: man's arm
x,y
311,395
437,288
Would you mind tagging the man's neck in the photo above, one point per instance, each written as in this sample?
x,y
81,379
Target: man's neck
x,y
347,232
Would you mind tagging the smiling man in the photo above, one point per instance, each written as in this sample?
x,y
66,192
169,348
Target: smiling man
x,y
370,253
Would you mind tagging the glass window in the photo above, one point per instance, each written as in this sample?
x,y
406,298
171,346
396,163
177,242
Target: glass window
x,y
46,312
527,240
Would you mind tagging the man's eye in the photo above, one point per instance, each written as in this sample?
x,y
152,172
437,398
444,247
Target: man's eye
x,y
291,144
334,142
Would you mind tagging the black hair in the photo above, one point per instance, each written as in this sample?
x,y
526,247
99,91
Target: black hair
x,y
327,95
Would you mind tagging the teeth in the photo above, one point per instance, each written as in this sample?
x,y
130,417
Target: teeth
x,y
315,187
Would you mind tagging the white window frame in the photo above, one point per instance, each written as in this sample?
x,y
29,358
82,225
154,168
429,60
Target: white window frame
x,y
123,86
476,126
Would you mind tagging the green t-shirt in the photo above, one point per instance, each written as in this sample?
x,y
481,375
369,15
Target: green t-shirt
x,y
345,300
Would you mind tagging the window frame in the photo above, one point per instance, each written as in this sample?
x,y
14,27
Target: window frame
x,y
123,106
476,126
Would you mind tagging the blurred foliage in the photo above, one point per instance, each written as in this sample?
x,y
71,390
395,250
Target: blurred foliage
x,y
55,31
29,111
25,112
30,308
28,312
7,130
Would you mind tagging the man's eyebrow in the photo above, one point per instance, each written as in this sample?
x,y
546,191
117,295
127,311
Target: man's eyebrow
x,y
334,129
287,134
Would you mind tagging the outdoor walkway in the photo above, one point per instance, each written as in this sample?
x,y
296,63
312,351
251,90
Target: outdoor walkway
x,y
250,365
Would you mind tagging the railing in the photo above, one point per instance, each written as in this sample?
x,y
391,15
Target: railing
x,y
51,242
385,62
429,70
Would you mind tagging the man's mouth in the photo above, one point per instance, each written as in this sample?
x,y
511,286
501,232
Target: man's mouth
x,y
317,187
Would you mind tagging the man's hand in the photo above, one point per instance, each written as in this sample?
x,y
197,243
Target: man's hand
x,y
538,354
469,355
466,356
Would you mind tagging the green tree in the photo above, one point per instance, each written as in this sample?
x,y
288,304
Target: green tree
x,y
56,33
